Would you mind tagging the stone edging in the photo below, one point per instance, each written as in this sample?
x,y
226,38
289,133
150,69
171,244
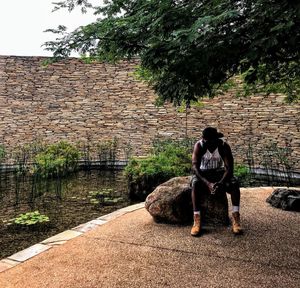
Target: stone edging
x,y
63,237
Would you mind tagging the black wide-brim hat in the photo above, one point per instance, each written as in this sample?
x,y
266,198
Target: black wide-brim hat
x,y
210,133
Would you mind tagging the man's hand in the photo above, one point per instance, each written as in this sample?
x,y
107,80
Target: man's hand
x,y
217,186
211,187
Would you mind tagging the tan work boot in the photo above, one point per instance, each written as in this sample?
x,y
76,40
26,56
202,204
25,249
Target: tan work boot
x,y
197,225
236,223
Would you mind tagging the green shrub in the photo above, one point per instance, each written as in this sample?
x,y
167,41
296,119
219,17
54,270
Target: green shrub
x,y
241,171
171,161
57,159
168,159
162,145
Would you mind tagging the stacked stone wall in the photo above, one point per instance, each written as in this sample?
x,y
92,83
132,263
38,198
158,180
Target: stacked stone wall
x,y
91,103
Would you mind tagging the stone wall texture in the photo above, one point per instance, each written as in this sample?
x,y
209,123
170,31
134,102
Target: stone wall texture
x,y
84,103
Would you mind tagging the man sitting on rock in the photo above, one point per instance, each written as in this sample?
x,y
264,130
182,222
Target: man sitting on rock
x,y
213,170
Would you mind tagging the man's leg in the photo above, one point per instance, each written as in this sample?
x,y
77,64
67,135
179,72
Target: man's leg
x,y
196,229
235,200
195,198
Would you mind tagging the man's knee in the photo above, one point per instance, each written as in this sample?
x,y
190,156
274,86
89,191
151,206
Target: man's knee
x,y
194,182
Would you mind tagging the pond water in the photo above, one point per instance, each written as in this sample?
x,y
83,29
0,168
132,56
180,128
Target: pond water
x,y
67,202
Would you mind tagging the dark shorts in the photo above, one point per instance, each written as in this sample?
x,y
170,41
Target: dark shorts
x,y
214,176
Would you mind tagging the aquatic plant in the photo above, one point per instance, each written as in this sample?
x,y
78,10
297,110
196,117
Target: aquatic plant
x,y
107,152
103,197
23,155
29,219
2,153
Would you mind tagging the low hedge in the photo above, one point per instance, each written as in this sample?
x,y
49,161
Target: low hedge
x,y
145,173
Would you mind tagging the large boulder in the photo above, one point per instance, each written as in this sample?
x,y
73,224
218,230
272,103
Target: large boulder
x,y
171,202
286,199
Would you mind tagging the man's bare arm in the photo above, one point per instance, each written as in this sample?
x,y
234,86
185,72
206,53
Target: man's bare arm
x,y
228,163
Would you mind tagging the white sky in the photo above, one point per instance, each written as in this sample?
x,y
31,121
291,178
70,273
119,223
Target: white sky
x,y
22,23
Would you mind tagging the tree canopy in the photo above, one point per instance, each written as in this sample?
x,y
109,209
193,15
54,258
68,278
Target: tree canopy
x,y
188,48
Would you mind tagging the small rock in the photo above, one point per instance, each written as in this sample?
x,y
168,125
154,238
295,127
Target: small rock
x,y
286,199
